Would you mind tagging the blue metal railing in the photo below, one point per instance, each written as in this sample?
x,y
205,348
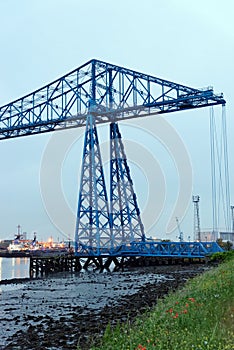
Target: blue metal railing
x,y
155,249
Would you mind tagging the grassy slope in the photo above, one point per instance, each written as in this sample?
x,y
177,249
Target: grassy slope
x,y
199,316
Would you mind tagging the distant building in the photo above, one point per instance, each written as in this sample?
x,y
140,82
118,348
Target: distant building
x,y
209,236
227,236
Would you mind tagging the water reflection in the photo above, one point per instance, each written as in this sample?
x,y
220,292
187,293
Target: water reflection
x,y
14,268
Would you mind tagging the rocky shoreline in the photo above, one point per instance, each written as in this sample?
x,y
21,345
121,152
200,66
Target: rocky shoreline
x,y
58,313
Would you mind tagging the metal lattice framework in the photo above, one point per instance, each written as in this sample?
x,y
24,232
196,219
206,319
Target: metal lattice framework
x,y
99,229
150,248
170,249
92,227
118,93
99,92
197,229
125,220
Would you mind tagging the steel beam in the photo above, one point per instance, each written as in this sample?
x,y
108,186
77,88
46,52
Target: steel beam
x,y
117,92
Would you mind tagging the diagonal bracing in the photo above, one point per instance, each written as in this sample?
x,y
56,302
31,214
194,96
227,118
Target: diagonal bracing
x,y
92,226
125,220
119,93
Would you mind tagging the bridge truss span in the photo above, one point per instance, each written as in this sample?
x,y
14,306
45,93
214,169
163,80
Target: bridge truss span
x,y
115,93
151,248
98,92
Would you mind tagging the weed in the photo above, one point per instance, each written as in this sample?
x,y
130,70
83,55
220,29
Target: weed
x,y
197,317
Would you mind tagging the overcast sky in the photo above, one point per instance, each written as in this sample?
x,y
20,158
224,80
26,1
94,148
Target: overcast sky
x,y
188,42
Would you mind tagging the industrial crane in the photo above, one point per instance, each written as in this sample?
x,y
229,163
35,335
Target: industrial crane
x,y
181,236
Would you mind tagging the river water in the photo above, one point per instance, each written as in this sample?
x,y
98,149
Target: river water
x,y
14,268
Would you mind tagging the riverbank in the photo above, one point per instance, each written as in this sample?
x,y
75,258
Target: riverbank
x,y
198,316
63,310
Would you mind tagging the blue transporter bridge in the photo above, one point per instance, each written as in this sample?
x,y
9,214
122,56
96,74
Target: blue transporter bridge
x,y
95,93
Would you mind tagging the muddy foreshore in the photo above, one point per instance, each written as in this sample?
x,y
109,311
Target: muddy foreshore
x,y
58,312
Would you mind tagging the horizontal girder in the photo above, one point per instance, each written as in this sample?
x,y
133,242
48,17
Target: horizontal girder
x,y
110,92
155,249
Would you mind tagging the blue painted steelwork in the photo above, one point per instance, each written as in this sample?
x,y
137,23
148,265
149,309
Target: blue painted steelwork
x,y
125,220
92,226
99,229
174,249
99,92
156,249
118,93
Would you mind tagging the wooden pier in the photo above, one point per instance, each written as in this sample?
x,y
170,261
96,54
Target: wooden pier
x,y
44,265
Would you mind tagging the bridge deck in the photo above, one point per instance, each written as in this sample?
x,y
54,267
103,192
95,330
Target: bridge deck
x,y
152,248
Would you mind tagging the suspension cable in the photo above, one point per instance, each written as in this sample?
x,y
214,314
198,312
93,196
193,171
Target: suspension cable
x,y
219,172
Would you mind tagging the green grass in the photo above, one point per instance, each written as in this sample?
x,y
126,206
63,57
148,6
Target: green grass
x,y
199,316
224,256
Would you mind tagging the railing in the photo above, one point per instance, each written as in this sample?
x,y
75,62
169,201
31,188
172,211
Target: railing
x,y
154,249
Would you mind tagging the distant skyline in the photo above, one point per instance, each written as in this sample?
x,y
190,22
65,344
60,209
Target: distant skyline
x,y
187,42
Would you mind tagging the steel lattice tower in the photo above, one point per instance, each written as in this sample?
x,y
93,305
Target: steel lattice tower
x,y
92,226
95,93
125,220
197,229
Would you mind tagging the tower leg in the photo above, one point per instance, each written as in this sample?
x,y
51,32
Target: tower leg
x,y
92,225
125,220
